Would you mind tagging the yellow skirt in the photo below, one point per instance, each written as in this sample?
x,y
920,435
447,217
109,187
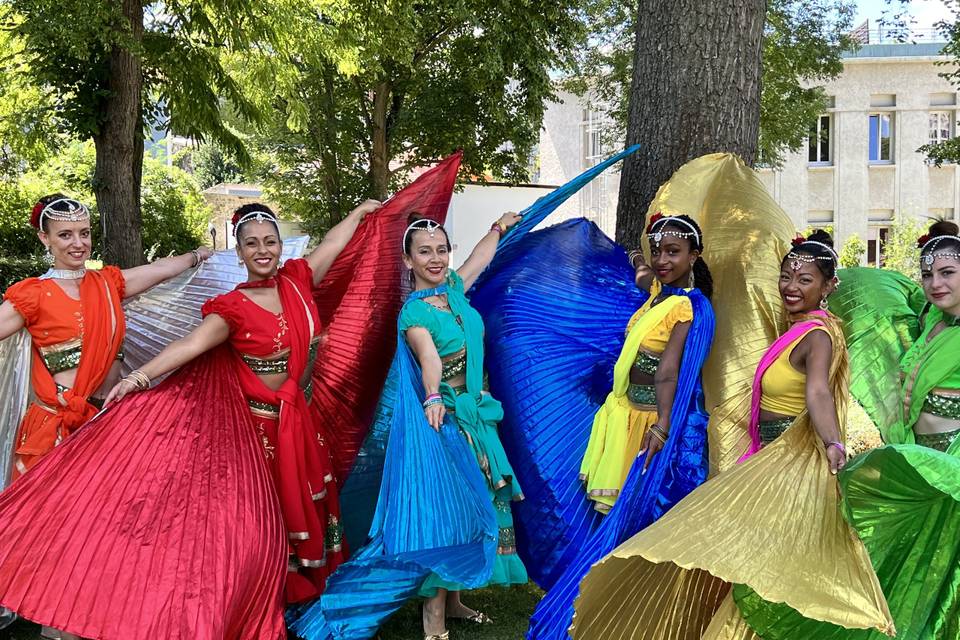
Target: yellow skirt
x,y
618,431
772,523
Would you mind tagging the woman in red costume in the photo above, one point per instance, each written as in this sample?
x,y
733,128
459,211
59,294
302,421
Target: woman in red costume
x,y
272,325
181,504
76,325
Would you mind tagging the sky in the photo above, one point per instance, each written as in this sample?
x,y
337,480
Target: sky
x,y
925,12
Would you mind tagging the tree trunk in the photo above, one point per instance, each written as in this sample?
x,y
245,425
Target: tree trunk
x,y
380,148
119,146
695,90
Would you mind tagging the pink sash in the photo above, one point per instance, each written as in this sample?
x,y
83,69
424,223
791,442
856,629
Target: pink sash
x,y
778,347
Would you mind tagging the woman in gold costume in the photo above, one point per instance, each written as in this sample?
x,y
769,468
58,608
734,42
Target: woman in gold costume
x,y
770,526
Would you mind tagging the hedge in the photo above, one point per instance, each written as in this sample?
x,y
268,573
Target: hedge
x,y
16,269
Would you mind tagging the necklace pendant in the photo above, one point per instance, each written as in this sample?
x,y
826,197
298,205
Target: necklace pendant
x,y
796,265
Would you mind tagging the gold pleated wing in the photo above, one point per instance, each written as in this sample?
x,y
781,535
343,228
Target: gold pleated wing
x,y
772,523
747,234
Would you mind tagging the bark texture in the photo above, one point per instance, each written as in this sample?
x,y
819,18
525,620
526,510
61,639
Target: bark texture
x,y
695,90
119,146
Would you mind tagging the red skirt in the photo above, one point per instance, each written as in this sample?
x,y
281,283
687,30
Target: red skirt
x,y
157,519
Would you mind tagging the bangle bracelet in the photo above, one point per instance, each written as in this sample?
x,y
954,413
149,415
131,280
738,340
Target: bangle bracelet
x,y
659,432
838,445
499,227
196,257
138,379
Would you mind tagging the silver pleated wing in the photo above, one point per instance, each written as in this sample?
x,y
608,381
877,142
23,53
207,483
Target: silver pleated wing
x,y
14,395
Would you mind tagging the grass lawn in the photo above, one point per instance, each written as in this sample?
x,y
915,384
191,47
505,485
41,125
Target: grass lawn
x,y
509,608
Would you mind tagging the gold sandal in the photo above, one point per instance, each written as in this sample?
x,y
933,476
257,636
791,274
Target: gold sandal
x,y
438,636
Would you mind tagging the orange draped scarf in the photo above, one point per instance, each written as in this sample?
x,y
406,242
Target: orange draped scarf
x,y
54,416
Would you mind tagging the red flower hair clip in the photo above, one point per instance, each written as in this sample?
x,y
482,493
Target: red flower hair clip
x,y
798,240
922,240
653,220
35,215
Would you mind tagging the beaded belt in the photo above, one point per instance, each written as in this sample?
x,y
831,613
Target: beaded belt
x,y
277,363
267,410
938,441
644,395
455,366
647,363
770,430
943,403
65,356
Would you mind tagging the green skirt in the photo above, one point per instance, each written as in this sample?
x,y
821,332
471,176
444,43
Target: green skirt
x,y
904,503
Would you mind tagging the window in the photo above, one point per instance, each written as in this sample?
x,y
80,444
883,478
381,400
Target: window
x,y
818,144
941,126
876,241
881,137
594,196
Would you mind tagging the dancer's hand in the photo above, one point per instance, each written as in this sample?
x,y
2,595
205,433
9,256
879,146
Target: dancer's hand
x,y
509,219
365,207
120,390
836,459
435,414
204,253
652,444
643,273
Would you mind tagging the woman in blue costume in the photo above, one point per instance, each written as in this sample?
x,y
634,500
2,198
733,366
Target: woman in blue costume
x,y
582,302
456,531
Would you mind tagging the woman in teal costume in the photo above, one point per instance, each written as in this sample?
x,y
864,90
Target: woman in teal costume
x,y
446,335
904,498
454,529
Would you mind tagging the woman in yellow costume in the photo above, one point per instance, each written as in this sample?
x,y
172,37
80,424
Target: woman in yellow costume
x,y
635,419
771,526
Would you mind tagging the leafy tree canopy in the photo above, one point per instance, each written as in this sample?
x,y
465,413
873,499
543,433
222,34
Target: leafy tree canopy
x,y
802,44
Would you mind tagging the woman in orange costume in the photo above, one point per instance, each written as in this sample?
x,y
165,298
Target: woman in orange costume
x,y
76,324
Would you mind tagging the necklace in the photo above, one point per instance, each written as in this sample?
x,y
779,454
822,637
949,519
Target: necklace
x,y
64,274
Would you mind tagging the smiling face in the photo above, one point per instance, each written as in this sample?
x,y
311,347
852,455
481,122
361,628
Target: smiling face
x,y
429,258
259,247
70,243
941,283
802,289
672,260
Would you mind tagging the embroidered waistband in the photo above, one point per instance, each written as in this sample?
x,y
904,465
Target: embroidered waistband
x,y
272,411
944,403
938,441
770,430
65,356
277,363
646,362
644,395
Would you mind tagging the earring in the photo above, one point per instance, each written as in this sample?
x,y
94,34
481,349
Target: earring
x,y
48,258
693,280
824,305
239,262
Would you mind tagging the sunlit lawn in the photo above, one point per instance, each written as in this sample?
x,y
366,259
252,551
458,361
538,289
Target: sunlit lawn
x,y
509,608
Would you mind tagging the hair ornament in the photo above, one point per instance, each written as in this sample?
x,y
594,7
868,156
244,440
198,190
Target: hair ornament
x,y
423,224
258,216
75,211
798,240
658,221
922,240
927,257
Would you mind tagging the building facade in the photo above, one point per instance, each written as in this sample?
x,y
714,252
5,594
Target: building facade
x,y
861,170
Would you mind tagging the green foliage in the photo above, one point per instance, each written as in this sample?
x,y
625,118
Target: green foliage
x,y
174,212
802,46
16,269
364,96
901,253
852,252
211,165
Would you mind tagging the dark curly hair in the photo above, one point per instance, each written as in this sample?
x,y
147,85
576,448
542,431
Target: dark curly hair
x,y
826,259
702,278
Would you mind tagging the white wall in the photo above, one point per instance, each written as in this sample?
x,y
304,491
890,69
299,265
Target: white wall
x,y
478,206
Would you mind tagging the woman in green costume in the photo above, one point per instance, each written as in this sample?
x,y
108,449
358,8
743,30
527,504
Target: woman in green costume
x,y
446,335
903,499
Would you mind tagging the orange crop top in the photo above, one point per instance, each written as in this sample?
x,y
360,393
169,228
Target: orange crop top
x,y
783,388
54,319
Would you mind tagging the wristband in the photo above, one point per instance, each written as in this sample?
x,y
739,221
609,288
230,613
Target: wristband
x,y
838,445
196,257
499,227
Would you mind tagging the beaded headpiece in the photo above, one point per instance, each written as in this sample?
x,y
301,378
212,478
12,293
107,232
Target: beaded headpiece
x,y
258,216
71,211
797,259
927,256
423,224
656,233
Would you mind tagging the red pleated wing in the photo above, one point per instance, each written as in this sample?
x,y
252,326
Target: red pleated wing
x,y
359,300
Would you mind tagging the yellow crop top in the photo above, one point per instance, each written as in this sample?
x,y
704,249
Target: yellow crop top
x,y
783,388
656,339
